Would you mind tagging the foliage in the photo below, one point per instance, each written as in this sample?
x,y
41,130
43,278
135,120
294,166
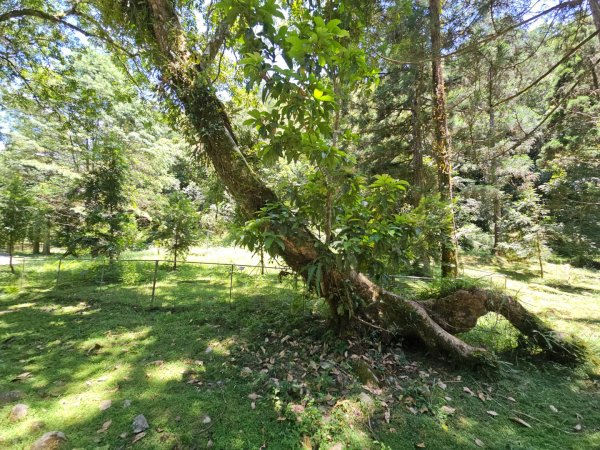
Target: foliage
x,y
178,226
15,212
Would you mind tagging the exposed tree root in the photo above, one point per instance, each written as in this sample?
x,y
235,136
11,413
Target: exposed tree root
x,y
437,321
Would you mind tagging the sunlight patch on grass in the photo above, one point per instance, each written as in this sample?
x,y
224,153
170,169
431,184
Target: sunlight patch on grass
x,y
162,372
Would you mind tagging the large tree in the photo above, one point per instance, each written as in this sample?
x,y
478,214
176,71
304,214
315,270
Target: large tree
x,y
166,36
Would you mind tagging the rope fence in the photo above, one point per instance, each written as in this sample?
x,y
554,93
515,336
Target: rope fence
x,y
153,282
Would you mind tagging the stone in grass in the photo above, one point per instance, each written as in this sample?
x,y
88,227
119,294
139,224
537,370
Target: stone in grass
x,y
18,412
50,441
140,424
10,396
365,373
37,425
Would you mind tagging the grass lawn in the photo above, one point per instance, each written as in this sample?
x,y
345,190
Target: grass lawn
x,y
258,368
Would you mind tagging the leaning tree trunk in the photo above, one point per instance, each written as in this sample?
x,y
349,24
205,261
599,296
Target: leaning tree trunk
x,y
441,147
355,302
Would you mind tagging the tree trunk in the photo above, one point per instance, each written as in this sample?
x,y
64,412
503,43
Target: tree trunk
x,y
497,214
11,250
35,247
417,137
441,147
355,302
46,246
595,7
416,144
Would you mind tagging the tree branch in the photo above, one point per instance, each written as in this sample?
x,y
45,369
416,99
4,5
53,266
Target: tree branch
x,y
474,46
549,71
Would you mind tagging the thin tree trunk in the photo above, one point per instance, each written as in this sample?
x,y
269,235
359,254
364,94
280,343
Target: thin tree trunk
x,y
11,249
424,266
417,137
539,255
595,7
441,147
497,205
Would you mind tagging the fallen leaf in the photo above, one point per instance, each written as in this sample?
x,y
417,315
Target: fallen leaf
x,y
511,399
105,426
578,427
468,391
206,419
520,421
481,396
105,404
420,445
138,437
253,396
123,435
448,409
492,413
479,443
253,405
22,376
441,385
553,408
386,416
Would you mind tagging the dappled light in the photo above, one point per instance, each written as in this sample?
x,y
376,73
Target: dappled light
x,y
268,224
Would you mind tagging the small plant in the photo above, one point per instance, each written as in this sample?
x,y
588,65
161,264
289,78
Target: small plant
x,y
179,226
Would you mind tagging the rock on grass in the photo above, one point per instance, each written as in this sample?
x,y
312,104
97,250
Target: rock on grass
x,y
50,441
18,412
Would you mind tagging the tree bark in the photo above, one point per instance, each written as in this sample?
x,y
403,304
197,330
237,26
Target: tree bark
x,y
595,7
441,147
11,250
355,302
35,247
497,205
422,263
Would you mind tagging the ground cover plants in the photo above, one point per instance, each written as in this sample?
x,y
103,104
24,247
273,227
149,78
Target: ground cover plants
x,y
263,369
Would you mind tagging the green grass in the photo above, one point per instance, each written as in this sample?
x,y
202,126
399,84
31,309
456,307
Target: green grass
x,y
274,376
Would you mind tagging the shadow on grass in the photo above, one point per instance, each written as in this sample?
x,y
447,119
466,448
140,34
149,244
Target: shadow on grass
x,y
182,360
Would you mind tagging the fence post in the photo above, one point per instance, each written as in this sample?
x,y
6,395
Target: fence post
x,y
58,271
102,276
230,284
154,282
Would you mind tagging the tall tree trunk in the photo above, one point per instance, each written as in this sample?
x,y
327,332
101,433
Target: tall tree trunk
x,y
497,205
354,301
441,147
417,136
595,7
418,179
